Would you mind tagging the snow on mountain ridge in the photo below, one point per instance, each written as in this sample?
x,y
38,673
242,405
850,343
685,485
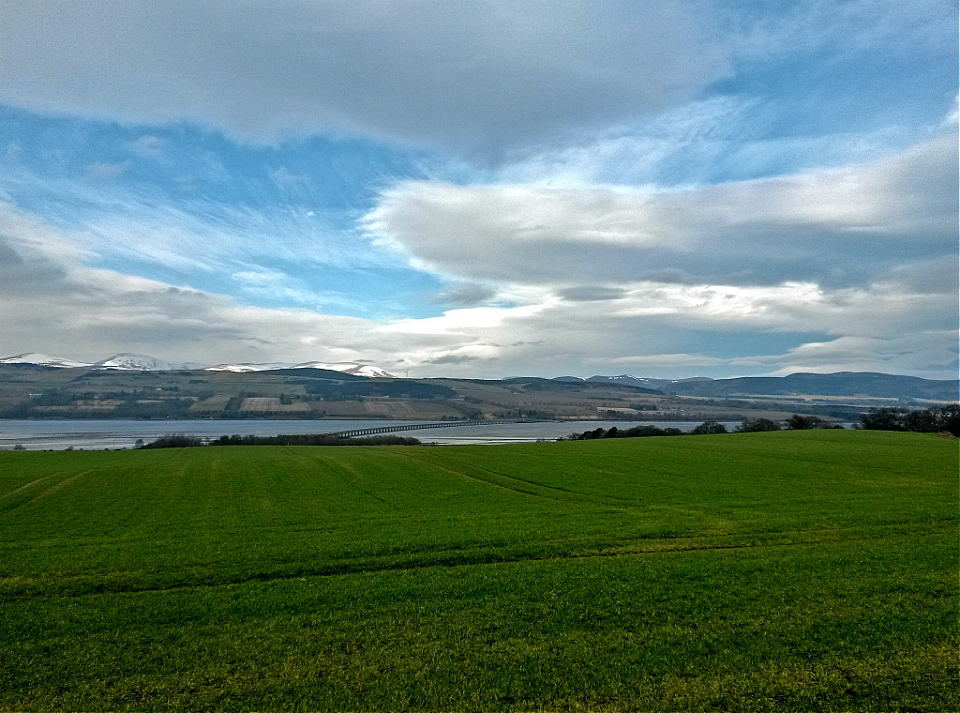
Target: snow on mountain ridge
x,y
126,361
39,359
137,362
350,367
246,367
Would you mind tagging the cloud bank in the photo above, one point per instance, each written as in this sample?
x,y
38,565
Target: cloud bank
x,y
839,227
467,75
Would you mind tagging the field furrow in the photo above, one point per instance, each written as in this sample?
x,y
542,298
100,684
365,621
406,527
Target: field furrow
x,y
489,477
524,485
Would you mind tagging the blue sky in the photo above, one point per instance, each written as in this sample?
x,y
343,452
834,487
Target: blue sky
x,y
484,188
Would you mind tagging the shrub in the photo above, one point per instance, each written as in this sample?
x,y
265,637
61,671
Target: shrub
x,y
757,425
709,427
175,440
884,419
803,423
929,420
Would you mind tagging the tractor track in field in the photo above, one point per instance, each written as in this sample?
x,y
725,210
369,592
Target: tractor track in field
x,y
288,450
87,588
433,460
48,491
28,485
526,481
348,476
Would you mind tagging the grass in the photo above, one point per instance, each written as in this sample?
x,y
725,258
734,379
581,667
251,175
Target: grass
x,y
754,572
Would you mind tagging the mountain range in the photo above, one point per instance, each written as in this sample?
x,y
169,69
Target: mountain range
x,y
844,383
870,384
142,362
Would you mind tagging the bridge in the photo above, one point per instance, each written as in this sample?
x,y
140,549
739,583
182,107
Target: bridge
x,y
353,433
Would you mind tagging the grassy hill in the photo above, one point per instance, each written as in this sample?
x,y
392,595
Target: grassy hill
x,y
811,570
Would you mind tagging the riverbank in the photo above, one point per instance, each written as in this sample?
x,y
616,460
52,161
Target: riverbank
x,y
111,434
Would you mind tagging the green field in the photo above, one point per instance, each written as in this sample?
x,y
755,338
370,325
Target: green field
x,y
794,571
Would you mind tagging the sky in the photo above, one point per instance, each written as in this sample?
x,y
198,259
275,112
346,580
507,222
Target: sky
x,y
484,188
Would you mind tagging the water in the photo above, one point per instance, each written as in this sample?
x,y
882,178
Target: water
x,y
99,435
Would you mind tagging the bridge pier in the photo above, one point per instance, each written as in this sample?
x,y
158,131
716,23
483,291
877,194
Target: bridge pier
x,y
353,433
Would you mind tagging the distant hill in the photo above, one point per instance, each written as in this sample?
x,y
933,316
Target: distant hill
x,y
659,385
532,383
844,383
308,373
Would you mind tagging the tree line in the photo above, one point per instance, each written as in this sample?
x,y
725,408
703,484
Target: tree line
x,y
938,419
753,425
181,440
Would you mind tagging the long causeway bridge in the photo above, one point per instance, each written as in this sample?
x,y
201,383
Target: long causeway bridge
x,y
353,433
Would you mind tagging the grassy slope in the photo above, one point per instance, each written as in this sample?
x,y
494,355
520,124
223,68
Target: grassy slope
x,y
804,570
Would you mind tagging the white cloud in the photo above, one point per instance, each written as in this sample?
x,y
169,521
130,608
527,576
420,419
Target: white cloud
x,y
152,147
841,226
113,221
465,322
104,171
905,27
604,275
661,361
953,117
275,287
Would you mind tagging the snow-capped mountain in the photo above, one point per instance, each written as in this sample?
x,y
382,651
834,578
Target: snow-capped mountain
x,y
138,362
348,368
345,367
143,362
44,360
248,367
644,382
371,372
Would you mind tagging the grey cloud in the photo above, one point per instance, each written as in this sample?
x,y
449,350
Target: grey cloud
x,y
456,359
468,294
937,276
592,293
26,275
472,75
8,256
676,276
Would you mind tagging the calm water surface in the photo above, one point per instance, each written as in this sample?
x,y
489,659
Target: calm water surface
x,y
58,435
